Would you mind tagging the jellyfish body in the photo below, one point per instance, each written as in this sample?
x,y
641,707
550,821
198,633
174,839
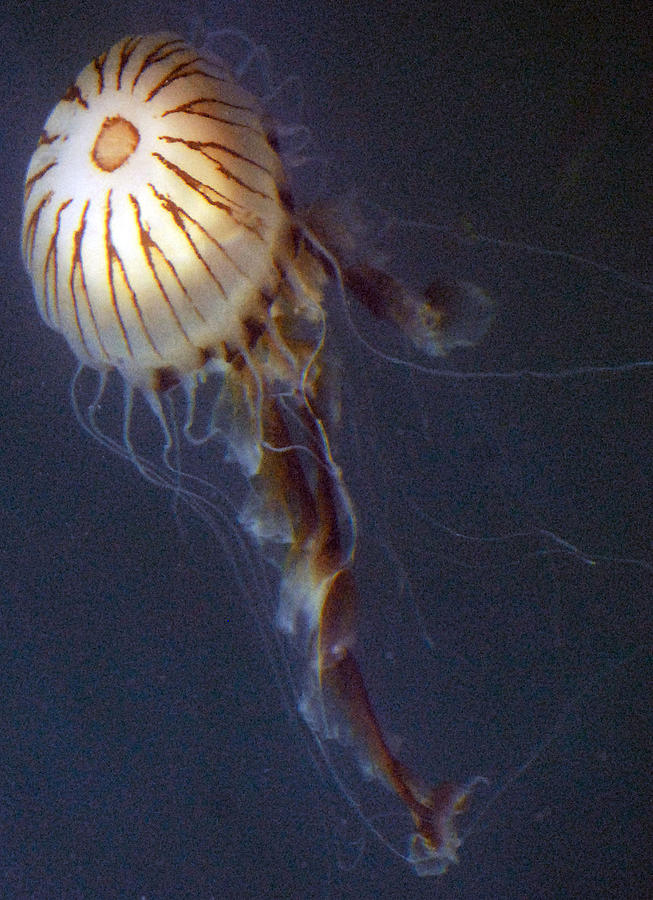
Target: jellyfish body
x,y
162,242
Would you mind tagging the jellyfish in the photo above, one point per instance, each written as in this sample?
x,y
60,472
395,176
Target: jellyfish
x,y
163,242
167,243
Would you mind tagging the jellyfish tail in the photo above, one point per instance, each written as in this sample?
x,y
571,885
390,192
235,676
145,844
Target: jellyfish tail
x,y
348,716
433,847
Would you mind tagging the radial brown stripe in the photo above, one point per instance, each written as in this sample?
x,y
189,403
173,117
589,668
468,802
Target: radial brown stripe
x,y
223,148
201,188
45,138
220,79
77,265
29,232
199,147
126,52
230,122
177,214
74,95
112,253
216,243
29,184
147,243
186,108
179,73
98,65
156,56
52,260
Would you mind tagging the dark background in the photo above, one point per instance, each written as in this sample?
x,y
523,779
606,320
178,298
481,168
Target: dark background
x,y
145,751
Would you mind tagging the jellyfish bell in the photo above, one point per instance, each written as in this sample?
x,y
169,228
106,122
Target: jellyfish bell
x,y
164,243
119,177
